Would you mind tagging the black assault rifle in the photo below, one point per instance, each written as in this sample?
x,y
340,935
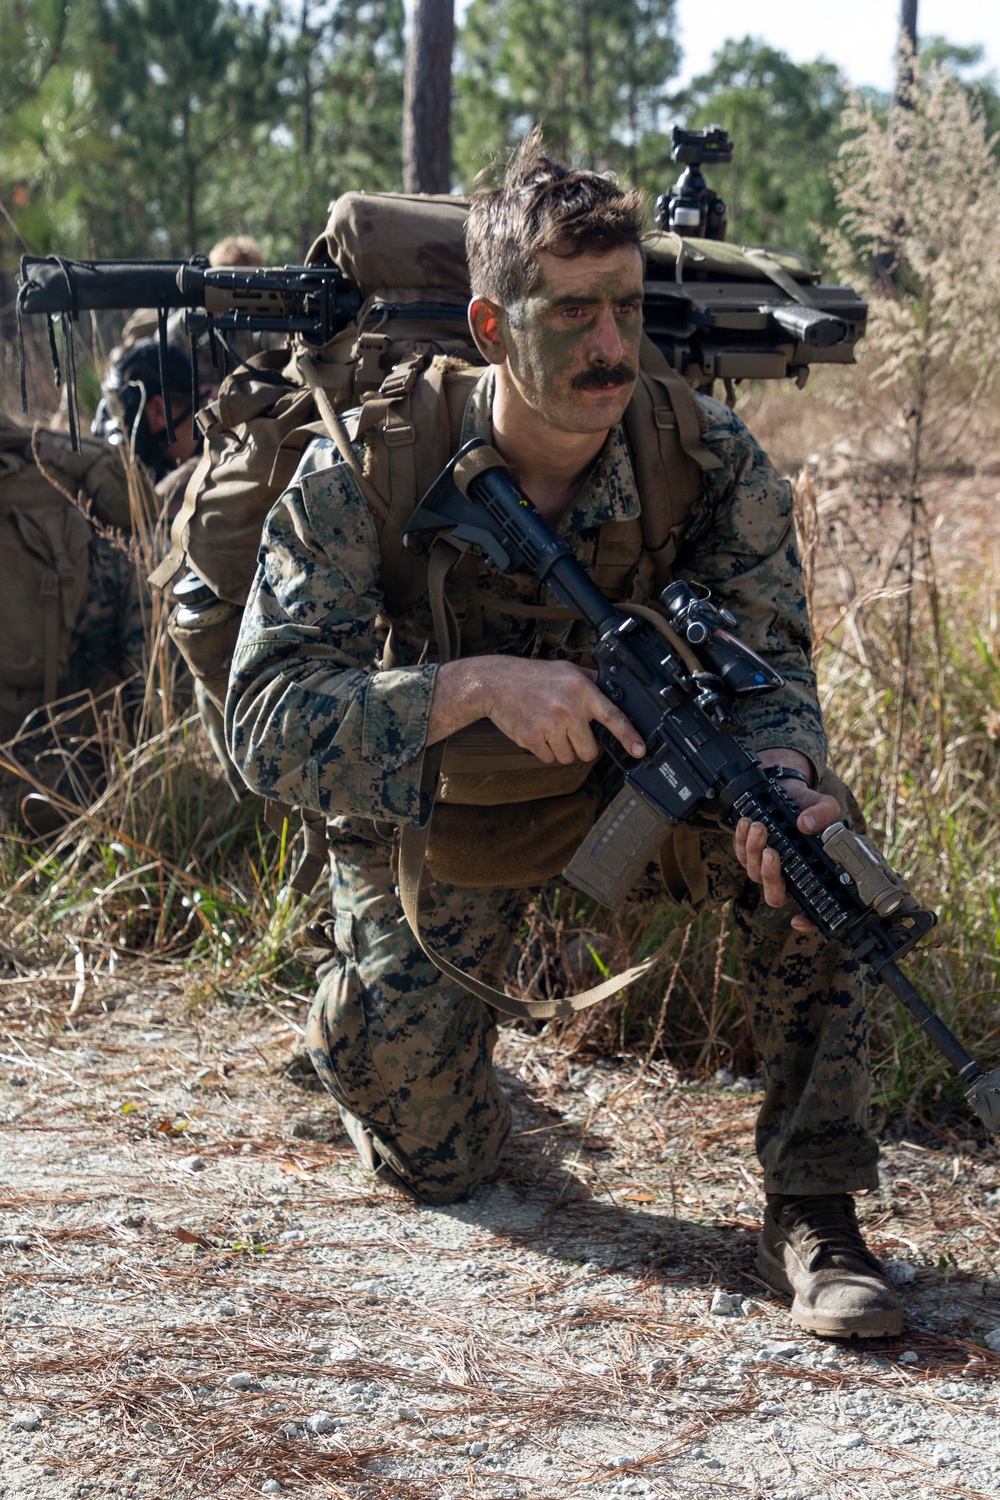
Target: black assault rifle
x,y
678,683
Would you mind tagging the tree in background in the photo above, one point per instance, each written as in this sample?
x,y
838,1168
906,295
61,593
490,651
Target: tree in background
x,y
427,98
47,108
153,127
785,121
187,86
928,183
340,124
592,72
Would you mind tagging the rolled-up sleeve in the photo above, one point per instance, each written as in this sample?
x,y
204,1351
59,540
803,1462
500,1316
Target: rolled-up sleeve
x,y
742,545
309,719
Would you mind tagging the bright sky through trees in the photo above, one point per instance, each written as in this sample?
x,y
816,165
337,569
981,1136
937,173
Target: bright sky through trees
x,y
857,35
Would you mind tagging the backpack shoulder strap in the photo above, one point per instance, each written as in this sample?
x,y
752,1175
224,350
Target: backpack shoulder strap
x,y
411,428
662,422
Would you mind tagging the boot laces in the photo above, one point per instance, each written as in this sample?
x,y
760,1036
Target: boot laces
x,y
825,1232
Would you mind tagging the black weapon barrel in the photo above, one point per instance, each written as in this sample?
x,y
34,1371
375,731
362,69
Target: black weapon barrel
x,y
944,1040
54,284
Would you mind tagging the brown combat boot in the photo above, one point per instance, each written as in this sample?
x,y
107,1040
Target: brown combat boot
x,y
811,1248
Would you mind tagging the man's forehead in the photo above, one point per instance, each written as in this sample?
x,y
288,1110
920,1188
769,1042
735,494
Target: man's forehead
x,y
588,275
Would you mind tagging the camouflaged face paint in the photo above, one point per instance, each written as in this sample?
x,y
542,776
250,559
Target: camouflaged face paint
x,y
573,343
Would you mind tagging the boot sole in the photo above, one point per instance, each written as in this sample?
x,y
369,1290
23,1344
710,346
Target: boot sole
x,y
876,1325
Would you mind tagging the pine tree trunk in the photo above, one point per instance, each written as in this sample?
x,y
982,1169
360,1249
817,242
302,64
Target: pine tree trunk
x,y
427,98
885,268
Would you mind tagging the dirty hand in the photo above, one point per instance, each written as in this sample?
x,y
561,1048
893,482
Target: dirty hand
x,y
546,707
763,864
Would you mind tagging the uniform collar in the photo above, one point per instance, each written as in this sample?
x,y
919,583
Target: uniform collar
x,y
610,492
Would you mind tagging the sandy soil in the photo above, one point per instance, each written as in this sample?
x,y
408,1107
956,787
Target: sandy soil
x,y
204,1294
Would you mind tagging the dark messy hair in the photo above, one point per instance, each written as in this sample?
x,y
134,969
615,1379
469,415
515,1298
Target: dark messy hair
x,y
543,206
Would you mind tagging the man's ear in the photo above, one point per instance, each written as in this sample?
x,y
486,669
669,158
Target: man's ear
x,y
486,322
156,413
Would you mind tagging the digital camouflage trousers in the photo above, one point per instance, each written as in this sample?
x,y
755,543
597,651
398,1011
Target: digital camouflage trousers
x,y
408,1053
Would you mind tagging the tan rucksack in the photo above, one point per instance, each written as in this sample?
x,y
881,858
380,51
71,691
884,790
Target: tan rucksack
x,y
403,371
44,541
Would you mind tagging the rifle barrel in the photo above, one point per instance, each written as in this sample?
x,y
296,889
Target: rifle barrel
x,y
54,284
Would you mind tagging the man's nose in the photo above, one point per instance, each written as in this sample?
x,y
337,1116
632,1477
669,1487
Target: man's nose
x,y
606,345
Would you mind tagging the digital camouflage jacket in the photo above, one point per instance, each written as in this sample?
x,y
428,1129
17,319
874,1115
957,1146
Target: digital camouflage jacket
x,y
312,719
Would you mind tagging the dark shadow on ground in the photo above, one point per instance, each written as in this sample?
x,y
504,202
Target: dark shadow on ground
x,y
537,1201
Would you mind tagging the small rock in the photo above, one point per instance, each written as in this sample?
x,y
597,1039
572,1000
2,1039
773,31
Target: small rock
x,y
292,1430
725,1305
288,1235
27,1421
476,1450
992,1340
623,1460
597,1368
942,1455
193,1163
575,1310
853,1440
226,1310
17,1242
17,1080
322,1422
724,1079
777,1350
271,1487
908,1357
908,1435
242,1382
133,1221
900,1272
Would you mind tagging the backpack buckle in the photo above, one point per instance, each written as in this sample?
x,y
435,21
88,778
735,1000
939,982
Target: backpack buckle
x,y
664,417
402,377
369,349
398,434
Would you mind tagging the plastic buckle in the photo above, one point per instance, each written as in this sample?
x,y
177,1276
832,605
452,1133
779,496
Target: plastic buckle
x,y
399,434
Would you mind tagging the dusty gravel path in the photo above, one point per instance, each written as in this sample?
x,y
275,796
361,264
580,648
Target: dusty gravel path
x,y
204,1295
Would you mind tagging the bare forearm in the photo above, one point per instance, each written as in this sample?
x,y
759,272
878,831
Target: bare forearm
x,y
547,707
459,697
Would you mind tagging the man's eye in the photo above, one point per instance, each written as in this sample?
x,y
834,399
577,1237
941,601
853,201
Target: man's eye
x,y
628,309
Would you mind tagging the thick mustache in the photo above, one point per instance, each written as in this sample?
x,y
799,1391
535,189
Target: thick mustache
x,y
597,379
